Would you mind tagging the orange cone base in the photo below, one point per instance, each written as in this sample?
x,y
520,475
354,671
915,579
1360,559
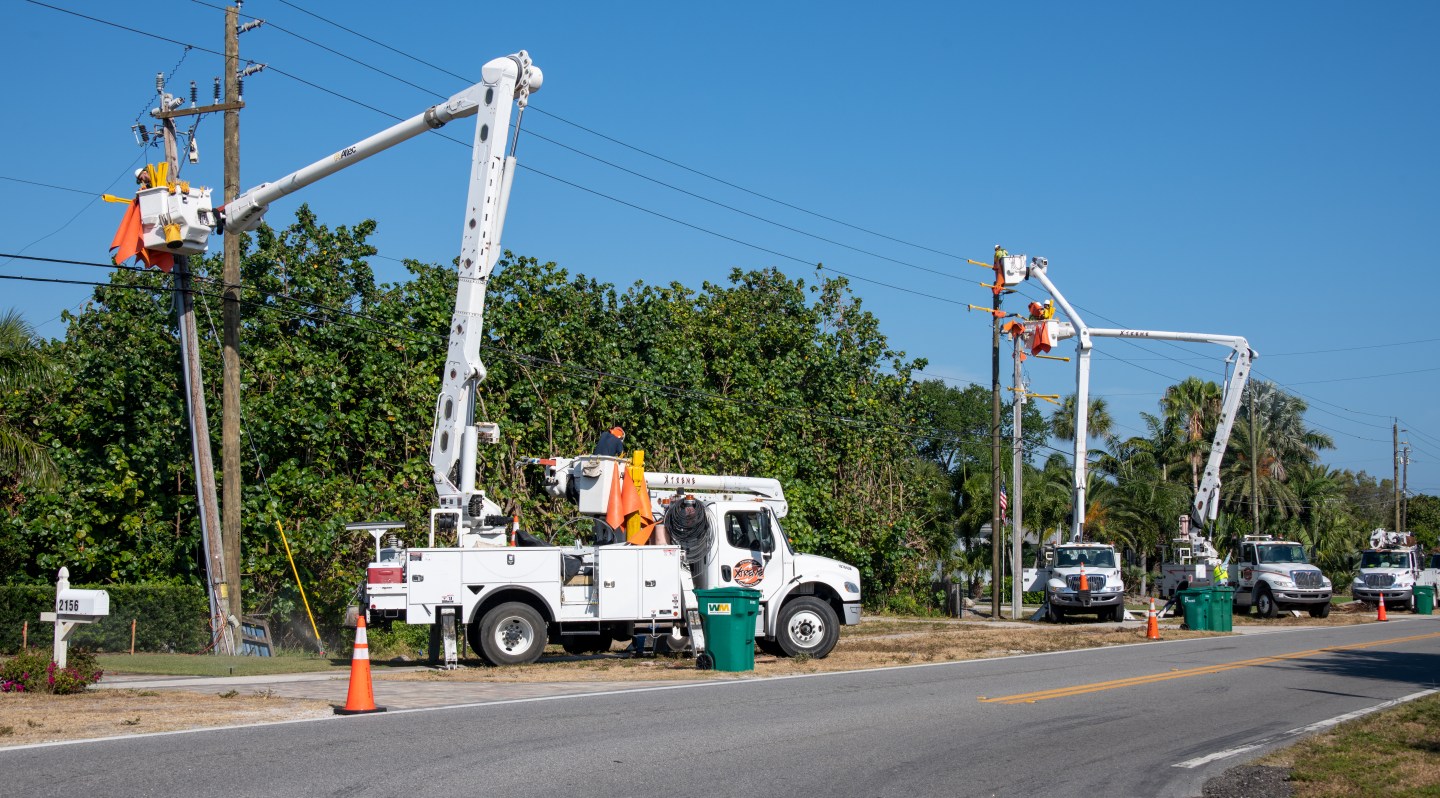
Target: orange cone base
x,y
344,711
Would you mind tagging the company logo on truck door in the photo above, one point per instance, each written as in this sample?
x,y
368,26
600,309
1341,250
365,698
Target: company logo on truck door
x,y
749,572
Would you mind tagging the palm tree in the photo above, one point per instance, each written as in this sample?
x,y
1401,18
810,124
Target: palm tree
x,y
23,365
1193,405
1098,423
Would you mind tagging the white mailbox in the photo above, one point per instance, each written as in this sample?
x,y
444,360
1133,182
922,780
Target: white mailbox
x,y
73,607
82,603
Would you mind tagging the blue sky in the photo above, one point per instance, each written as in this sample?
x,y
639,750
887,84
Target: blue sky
x,y
1266,170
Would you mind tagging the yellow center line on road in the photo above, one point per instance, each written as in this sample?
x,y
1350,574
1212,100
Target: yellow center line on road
x,y
1114,684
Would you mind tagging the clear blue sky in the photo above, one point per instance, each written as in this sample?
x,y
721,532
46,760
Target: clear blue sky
x,y
1267,170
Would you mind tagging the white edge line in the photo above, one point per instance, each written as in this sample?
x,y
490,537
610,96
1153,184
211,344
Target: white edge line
x,y
1303,730
569,696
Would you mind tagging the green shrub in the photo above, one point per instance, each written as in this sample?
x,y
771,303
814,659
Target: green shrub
x,y
168,618
401,639
32,671
1026,596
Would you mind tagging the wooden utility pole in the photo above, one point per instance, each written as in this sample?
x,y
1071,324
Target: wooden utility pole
x,y
230,395
199,419
997,559
1017,493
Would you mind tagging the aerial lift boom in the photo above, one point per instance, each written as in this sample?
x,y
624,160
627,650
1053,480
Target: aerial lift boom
x,y
456,435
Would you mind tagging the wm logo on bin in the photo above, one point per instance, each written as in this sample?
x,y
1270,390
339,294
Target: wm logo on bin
x,y
716,608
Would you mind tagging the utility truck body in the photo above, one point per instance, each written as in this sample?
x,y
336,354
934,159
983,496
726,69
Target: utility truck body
x,y
513,600
1389,569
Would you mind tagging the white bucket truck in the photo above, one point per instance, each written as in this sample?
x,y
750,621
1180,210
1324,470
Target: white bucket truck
x,y
1390,568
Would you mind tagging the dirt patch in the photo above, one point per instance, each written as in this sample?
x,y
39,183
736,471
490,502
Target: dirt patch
x,y
36,718
875,644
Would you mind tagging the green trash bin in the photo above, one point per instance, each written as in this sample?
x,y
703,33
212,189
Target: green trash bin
x,y
1425,599
1220,610
728,616
1195,602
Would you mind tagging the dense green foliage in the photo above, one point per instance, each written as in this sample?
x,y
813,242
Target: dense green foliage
x,y
168,617
764,375
32,671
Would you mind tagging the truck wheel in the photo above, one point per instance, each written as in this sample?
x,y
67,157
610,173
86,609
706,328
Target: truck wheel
x,y
1117,613
807,626
512,634
1054,614
1322,611
1265,605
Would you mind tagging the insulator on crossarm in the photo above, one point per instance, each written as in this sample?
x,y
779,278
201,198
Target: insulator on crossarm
x,y
159,82
240,89
193,94
217,90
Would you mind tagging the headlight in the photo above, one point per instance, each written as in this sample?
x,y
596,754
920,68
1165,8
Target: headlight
x,y
1358,582
851,587
1055,585
1325,581
1282,583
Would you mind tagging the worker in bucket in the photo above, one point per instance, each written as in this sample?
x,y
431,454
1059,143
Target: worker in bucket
x,y
612,442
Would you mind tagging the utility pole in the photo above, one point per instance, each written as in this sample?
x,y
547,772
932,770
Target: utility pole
x,y
1017,495
1395,444
1404,488
1254,469
996,557
195,404
230,318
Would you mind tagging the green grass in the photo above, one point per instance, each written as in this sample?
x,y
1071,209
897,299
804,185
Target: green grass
x,y
1397,749
205,665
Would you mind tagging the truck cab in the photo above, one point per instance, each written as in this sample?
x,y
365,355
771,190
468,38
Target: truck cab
x,y
1273,575
1102,592
1390,569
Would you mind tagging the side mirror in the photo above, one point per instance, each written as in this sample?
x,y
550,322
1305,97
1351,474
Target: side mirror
x,y
767,538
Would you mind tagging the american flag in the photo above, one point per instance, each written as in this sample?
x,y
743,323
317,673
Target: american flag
x,y
1004,505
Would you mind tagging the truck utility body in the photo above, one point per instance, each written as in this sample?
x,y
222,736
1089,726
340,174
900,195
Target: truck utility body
x,y
1274,575
1389,569
512,600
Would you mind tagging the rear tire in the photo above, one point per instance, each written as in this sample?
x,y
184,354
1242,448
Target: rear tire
x,y
512,634
1054,614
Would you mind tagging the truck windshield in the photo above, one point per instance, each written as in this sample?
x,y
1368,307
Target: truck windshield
x,y
1384,559
1090,558
1282,552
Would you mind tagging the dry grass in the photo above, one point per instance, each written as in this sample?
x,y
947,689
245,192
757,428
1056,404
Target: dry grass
x,y
874,644
1340,615
1395,753
36,718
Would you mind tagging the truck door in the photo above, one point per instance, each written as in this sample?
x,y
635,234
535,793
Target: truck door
x,y
747,553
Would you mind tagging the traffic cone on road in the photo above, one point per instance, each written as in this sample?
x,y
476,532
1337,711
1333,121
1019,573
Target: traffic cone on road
x,y
1381,615
1152,624
361,698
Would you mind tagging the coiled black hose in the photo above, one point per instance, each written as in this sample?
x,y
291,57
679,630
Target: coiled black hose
x,y
689,527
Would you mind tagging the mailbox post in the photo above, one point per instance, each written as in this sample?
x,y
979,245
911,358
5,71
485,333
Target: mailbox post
x,y
73,607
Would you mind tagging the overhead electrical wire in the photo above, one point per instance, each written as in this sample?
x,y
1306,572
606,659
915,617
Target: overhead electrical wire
x,y
621,143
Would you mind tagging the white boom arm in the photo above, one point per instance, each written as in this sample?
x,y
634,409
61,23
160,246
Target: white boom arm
x,y
1207,498
503,80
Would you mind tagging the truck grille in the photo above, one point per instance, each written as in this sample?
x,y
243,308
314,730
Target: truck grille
x,y
1094,582
1309,579
1379,580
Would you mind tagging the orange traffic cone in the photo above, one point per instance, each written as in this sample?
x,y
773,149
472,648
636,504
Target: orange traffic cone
x,y
1084,583
361,698
1152,624
1381,615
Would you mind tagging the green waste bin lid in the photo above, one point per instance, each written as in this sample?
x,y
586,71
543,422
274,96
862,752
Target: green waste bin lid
x,y
729,592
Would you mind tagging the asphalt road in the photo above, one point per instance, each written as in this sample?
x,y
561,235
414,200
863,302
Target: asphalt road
x,y
1147,720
